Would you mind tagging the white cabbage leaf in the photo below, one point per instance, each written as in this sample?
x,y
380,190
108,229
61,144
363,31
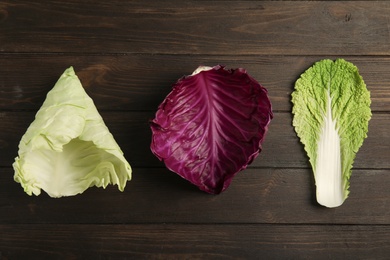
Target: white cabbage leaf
x,y
68,148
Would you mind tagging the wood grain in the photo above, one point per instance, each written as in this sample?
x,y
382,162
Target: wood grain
x,y
141,82
196,27
195,241
160,196
281,147
127,55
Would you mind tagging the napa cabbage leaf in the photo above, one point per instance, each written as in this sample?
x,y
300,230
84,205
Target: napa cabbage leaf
x,y
331,111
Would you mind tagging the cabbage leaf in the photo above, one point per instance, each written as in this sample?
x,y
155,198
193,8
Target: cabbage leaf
x,y
331,111
211,126
68,148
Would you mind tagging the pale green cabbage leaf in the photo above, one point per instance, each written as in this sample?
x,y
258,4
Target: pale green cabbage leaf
x,y
68,148
331,111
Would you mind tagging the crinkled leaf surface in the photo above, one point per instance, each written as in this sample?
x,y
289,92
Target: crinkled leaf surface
x,y
331,107
211,126
68,148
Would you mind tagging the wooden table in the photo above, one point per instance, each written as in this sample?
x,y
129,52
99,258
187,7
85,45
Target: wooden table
x,y
128,54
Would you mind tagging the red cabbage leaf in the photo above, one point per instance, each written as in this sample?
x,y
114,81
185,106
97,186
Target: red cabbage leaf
x,y
211,126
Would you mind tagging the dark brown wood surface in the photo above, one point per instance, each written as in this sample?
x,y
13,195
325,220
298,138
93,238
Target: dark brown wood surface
x,y
127,55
